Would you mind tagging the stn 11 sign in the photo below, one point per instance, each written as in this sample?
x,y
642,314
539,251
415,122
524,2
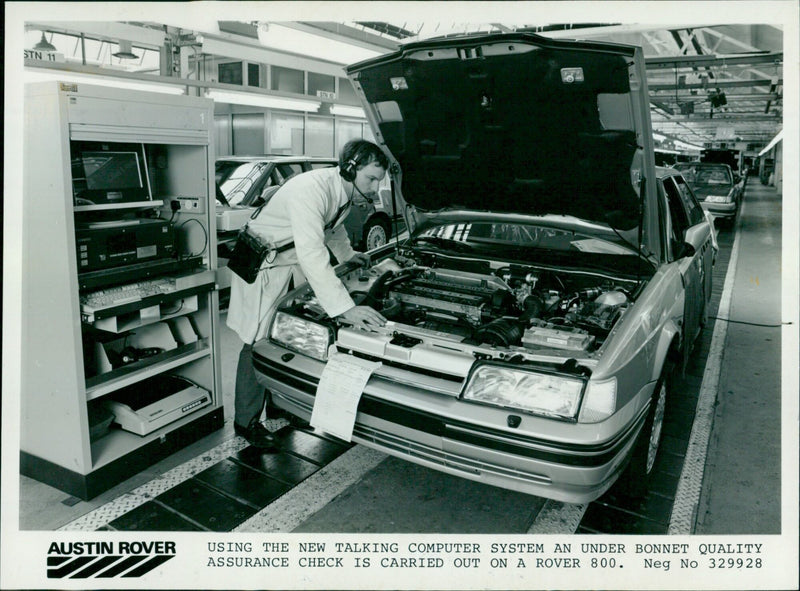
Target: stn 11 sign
x,y
47,56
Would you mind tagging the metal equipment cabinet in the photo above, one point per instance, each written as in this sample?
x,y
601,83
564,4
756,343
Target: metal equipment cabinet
x,y
64,374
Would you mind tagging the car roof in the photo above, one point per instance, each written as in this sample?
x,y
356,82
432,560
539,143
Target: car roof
x,y
704,164
276,158
665,171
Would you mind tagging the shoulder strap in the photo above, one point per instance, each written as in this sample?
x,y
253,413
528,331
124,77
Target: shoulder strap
x,y
290,245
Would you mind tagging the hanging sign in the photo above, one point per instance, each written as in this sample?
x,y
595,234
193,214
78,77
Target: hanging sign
x,y
45,56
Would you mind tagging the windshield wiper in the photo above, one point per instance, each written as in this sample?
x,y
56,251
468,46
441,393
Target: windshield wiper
x,y
446,243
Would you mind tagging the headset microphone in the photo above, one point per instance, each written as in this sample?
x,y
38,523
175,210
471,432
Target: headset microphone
x,y
370,199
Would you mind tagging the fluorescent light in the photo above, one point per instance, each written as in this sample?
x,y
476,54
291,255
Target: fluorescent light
x,y
659,137
774,141
39,75
685,146
346,111
257,100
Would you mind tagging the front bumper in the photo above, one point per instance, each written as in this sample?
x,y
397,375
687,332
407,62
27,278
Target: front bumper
x,y
565,461
720,210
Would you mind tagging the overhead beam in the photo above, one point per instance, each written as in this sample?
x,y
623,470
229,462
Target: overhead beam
x,y
695,61
606,31
704,119
662,106
716,84
105,31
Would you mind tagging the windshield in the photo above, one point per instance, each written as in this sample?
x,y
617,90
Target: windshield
x,y
707,176
235,179
500,237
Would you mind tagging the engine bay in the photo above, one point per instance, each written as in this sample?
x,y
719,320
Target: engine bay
x,y
509,306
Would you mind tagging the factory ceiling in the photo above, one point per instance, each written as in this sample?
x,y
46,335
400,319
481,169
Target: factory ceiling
x,y
708,83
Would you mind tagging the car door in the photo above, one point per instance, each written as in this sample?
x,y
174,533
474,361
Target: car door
x,y
703,240
690,263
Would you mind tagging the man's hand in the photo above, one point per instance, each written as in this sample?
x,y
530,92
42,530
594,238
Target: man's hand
x,y
361,259
360,316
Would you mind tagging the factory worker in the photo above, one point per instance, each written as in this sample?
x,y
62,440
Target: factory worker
x,y
303,211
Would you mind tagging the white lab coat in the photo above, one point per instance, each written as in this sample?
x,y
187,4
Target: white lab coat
x,y
298,211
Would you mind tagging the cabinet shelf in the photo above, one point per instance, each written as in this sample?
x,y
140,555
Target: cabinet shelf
x,y
135,372
119,206
117,443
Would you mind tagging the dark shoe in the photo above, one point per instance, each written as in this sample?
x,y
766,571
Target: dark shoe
x,y
273,412
258,436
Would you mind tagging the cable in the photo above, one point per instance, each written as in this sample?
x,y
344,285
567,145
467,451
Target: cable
x,y
205,234
751,323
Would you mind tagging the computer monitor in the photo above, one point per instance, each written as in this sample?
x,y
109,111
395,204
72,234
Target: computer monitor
x,y
107,174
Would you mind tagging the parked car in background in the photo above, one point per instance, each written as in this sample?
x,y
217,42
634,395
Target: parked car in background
x,y
716,186
245,182
552,283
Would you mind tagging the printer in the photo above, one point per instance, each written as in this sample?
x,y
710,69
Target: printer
x,y
155,402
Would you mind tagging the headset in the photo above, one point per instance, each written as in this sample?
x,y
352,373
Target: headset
x,y
354,154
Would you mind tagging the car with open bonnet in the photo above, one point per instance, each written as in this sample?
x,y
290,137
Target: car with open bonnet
x,y
552,283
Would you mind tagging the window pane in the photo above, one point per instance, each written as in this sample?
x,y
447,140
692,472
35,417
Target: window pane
x,y
286,134
347,93
230,73
283,172
677,212
346,131
692,206
222,131
253,75
368,135
320,82
287,80
319,136
248,134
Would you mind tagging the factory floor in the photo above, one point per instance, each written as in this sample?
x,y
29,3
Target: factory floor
x,y
734,443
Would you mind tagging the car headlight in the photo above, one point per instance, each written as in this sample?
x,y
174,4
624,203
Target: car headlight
x,y
303,336
719,198
538,393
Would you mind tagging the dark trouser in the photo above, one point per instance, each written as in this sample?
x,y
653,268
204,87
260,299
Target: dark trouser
x,y
249,395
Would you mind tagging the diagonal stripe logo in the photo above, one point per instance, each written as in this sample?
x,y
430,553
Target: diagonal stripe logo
x,y
83,567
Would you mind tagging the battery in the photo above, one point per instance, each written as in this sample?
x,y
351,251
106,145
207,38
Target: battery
x,y
545,334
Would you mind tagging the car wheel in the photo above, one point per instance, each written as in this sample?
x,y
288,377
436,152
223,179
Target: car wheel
x,y
635,479
376,234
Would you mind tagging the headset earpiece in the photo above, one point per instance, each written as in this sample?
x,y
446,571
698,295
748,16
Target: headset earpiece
x,y
357,154
348,171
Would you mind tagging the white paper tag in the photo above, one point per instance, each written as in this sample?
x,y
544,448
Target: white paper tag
x,y
338,392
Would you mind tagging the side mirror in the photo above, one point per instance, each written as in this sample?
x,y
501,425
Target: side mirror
x,y
685,249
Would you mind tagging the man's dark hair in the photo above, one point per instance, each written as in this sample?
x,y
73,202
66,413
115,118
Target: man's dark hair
x,y
357,154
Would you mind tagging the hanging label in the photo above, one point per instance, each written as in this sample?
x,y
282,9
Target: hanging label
x,y
338,392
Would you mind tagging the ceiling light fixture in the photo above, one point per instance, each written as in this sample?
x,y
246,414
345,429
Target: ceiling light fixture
x,y
44,44
40,75
772,143
686,146
125,51
268,102
347,111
